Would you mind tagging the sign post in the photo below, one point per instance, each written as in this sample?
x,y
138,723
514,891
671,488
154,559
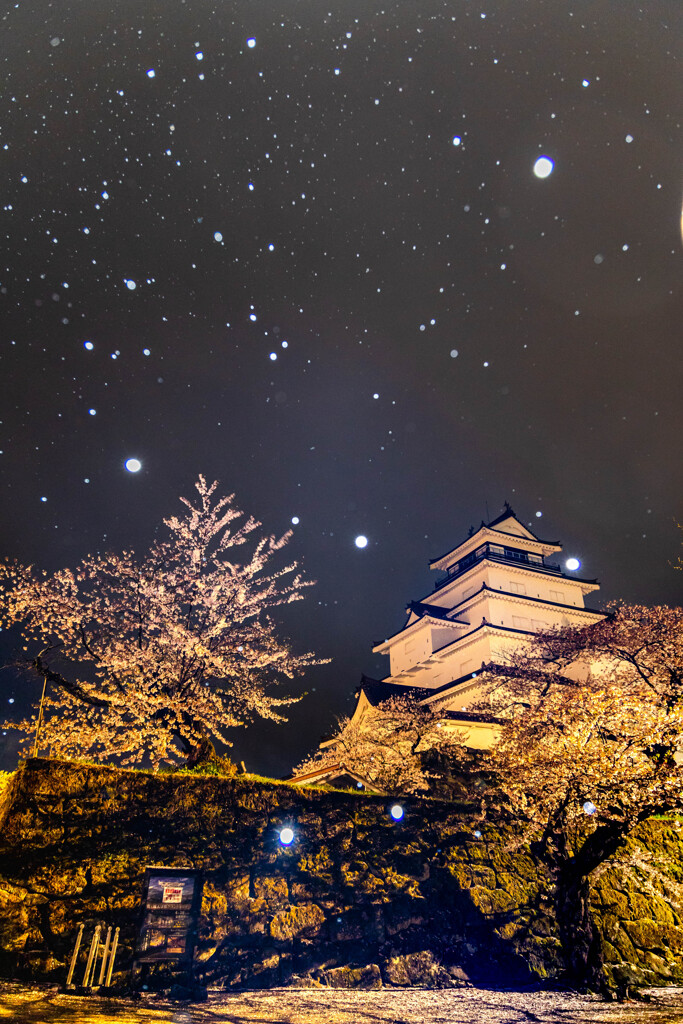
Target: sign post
x,y
172,903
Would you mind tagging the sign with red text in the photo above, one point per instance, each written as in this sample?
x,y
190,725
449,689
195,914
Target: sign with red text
x,y
172,902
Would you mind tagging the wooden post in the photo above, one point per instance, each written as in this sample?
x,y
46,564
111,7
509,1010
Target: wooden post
x,y
111,958
87,980
75,956
104,956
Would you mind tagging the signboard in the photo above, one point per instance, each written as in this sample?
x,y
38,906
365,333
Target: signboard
x,y
172,901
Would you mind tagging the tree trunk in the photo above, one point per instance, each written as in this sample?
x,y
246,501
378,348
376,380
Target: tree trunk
x,y
573,877
580,944
201,753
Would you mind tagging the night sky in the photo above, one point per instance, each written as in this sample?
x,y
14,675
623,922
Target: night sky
x,y
302,248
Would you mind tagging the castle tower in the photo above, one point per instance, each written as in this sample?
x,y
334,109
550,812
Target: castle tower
x,y
499,587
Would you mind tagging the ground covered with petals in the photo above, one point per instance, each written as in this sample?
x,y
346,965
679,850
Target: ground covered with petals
x,y
292,1006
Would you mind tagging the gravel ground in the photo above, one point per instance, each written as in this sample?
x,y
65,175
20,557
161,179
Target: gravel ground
x,y
334,1006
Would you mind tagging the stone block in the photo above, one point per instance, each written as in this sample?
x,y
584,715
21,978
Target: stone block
x,y
368,977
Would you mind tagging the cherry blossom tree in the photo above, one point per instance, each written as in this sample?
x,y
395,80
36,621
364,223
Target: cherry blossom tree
x,y
388,744
156,657
590,745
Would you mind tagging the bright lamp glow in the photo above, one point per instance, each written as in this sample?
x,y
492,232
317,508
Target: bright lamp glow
x,y
396,812
589,807
543,167
286,836
133,465
361,541
572,564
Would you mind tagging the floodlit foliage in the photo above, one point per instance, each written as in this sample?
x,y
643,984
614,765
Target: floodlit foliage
x,y
593,716
154,656
387,743
591,744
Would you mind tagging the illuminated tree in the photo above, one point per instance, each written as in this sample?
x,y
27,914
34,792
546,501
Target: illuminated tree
x,y
156,656
388,744
590,746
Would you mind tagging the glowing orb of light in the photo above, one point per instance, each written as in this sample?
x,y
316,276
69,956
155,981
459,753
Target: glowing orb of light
x,y
133,465
454,353
150,73
361,541
286,836
89,345
217,236
572,564
396,812
477,834
273,356
543,167
456,140
589,807
251,43
295,520
131,285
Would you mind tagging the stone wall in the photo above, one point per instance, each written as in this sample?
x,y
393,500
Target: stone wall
x,y
357,899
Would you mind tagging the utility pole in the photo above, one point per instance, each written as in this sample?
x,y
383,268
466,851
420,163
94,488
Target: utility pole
x,y
39,723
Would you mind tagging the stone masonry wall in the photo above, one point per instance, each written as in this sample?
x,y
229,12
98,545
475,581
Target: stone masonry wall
x,y
357,899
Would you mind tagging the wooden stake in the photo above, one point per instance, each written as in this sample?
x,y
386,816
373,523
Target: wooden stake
x,y
87,980
75,956
104,956
111,958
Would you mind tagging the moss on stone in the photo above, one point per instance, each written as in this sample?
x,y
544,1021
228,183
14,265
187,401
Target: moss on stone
x,y
353,892
296,921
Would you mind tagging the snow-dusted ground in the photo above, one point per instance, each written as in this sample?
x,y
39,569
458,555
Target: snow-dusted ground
x,y
334,1006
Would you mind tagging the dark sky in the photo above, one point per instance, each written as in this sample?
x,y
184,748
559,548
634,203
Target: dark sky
x,y
321,269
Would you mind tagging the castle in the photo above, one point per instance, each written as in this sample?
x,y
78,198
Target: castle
x,y
497,589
